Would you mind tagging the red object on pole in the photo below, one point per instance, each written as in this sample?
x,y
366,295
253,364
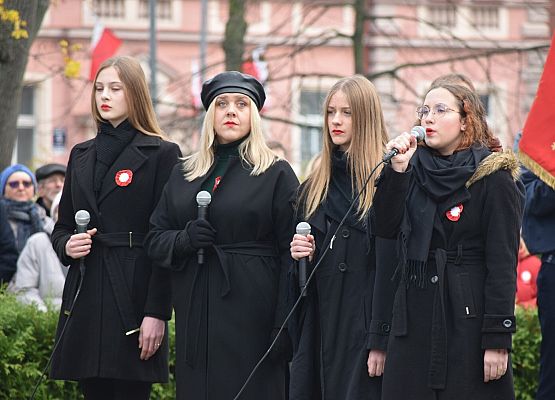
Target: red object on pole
x,y
106,46
537,145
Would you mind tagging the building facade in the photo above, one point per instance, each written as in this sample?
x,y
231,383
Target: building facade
x,y
301,48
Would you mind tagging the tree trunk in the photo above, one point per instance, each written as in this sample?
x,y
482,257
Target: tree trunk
x,y
234,41
359,49
14,54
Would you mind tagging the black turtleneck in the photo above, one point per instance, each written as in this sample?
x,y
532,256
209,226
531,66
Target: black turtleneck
x,y
110,142
223,154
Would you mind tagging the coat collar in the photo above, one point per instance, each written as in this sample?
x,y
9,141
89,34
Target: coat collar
x,y
132,158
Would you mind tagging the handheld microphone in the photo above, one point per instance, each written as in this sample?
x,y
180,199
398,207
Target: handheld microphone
x,y
203,200
417,131
303,228
82,219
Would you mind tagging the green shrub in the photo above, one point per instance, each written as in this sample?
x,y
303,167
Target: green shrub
x,y
26,341
526,353
27,337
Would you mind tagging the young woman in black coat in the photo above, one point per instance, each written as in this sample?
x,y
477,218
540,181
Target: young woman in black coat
x,y
339,337
114,341
456,208
228,307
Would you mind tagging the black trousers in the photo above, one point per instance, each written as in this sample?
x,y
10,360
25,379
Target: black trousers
x,y
114,389
546,313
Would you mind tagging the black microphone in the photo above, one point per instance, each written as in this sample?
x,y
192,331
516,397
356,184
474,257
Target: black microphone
x,y
82,219
303,228
203,200
417,131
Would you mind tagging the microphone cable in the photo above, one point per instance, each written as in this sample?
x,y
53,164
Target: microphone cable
x,y
309,279
70,313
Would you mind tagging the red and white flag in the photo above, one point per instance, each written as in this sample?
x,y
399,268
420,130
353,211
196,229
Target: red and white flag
x,y
104,45
537,145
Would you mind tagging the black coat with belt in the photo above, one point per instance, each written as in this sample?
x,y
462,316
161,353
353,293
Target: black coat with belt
x,y
227,308
339,322
464,303
121,285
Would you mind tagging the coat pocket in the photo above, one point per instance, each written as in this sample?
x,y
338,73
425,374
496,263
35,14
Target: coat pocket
x,y
462,297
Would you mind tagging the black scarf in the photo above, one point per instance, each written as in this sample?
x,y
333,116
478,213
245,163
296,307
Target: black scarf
x,y
437,181
340,192
26,216
110,142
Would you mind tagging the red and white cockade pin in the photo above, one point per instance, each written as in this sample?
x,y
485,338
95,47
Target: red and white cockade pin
x,y
455,213
124,177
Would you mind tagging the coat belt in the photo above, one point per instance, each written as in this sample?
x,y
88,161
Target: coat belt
x,y
121,291
437,373
199,292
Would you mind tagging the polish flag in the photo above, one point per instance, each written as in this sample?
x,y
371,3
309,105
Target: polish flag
x,y
537,145
196,85
104,45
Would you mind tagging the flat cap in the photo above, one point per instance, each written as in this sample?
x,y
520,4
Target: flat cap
x,y
233,82
49,169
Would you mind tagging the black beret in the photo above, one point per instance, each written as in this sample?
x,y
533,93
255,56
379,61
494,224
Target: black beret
x,y
232,82
48,169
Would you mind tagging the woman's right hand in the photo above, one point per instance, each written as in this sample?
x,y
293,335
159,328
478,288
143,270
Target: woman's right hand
x,y
405,143
302,246
79,245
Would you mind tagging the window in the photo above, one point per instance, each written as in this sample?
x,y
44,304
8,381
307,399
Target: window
x,y
311,103
109,8
133,13
485,17
484,98
163,9
443,16
25,140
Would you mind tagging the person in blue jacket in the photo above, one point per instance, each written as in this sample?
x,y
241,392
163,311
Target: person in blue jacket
x,y
538,231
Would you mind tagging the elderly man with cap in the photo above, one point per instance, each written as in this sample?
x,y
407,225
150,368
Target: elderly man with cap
x,y
230,301
50,179
18,185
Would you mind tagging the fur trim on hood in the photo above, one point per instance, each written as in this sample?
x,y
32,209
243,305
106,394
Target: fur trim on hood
x,y
494,162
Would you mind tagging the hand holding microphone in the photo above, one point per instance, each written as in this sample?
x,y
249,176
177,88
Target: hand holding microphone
x,y
201,233
303,229
79,244
400,149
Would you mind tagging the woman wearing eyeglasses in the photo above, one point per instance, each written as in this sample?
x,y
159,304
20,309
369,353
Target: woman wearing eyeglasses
x,y
18,185
456,209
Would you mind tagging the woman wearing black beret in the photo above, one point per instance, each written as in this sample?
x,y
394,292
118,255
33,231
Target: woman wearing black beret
x,y
228,308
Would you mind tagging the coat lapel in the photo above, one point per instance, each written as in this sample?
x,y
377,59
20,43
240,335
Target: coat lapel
x,y
131,158
84,167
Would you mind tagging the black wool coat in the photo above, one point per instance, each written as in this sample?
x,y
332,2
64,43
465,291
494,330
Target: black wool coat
x,y
440,329
227,308
8,251
121,285
338,322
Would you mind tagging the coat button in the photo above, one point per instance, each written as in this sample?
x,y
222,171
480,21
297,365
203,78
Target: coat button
x,y
507,323
342,267
345,233
434,279
385,328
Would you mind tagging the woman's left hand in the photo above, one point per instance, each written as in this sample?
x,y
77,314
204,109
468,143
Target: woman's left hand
x,y
495,364
150,336
376,361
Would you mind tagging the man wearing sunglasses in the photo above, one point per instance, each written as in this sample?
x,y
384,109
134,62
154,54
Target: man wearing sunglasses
x,y
18,185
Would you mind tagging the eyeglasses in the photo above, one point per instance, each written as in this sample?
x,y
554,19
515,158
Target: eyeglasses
x,y
439,110
15,184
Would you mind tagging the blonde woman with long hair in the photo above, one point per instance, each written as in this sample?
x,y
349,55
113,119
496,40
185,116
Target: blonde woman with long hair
x,y
340,349
115,343
229,304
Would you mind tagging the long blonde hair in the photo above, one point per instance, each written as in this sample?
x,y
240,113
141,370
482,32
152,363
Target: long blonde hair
x,y
139,105
253,150
368,141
